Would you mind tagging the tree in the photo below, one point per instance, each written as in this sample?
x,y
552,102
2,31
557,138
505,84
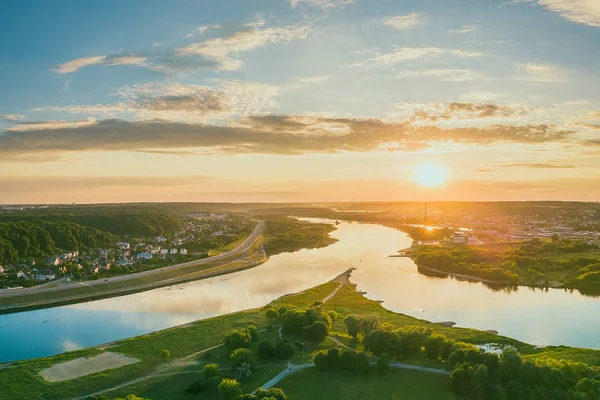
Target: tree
x,y
361,364
383,363
165,354
460,379
243,372
283,349
353,324
433,344
272,313
262,394
481,379
237,339
315,332
333,358
241,356
229,389
210,370
265,350
253,333
321,361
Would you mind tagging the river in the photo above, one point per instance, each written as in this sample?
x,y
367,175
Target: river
x,y
539,317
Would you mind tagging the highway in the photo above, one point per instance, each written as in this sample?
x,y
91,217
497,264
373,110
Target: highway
x,y
247,244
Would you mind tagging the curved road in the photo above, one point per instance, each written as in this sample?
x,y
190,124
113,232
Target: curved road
x,y
238,250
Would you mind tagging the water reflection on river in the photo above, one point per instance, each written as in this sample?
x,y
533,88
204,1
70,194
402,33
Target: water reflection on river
x,y
534,316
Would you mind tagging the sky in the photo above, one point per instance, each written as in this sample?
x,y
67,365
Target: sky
x,y
299,100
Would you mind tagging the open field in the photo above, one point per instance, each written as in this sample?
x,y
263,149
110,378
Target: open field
x,y
85,366
394,385
197,343
230,261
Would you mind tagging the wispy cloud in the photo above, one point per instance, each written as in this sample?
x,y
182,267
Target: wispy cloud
x,y
76,65
450,75
12,117
202,29
324,4
537,166
50,125
404,21
464,29
224,51
403,54
581,11
108,60
541,73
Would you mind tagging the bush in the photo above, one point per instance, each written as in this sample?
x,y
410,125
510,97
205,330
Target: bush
x,y
383,363
243,372
229,389
261,394
197,386
165,354
315,332
210,370
241,356
253,333
238,339
361,364
284,350
272,313
265,350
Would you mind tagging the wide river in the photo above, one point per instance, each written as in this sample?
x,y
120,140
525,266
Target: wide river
x,y
539,317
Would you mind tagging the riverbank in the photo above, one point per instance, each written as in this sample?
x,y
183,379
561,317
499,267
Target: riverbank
x,y
191,341
247,255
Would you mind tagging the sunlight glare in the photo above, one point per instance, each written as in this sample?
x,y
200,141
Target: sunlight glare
x,y
429,175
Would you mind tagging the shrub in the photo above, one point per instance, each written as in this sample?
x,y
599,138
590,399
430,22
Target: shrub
x,y
165,354
283,350
315,332
210,370
241,356
253,333
229,389
265,350
272,313
243,372
383,363
237,339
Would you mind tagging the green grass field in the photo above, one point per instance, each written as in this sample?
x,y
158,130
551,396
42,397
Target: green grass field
x,y
168,378
394,385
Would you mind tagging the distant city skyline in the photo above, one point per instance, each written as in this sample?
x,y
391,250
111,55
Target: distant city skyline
x,y
299,101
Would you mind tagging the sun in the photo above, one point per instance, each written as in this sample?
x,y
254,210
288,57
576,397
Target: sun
x,y
430,175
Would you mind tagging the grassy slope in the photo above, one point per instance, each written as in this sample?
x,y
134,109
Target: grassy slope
x,y
395,385
22,380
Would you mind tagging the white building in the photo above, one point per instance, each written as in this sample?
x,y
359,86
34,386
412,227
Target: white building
x,y
459,237
144,256
54,260
123,245
173,251
182,251
164,252
45,276
161,239
21,274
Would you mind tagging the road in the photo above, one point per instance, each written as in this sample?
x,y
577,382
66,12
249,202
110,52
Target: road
x,y
247,244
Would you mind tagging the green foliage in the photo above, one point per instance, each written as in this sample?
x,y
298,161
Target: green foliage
x,y
283,349
403,342
286,234
253,333
348,360
237,339
272,313
210,370
383,363
265,350
242,356
243,372
229,389
315,332
165,354
262,394
23,239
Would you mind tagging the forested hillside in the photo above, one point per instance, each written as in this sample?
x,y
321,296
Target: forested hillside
x,y
125,221
43,238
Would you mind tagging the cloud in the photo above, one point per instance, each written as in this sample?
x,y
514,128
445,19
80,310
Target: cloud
x,y
76,65
537,165
435,112
49,125
312,79
450,75
12,117
324,4
581,11
464,29
404,21
108,60
176,101
541,73
271,134
402,54
223,51
202,29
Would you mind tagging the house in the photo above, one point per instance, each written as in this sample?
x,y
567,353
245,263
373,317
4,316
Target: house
x,y
459,237
160,239
173,251
67,256
94,269
144,256
45,276
182,251
105,266
218,233
54,260
1,269
75,253
164,252
123,245
21,274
